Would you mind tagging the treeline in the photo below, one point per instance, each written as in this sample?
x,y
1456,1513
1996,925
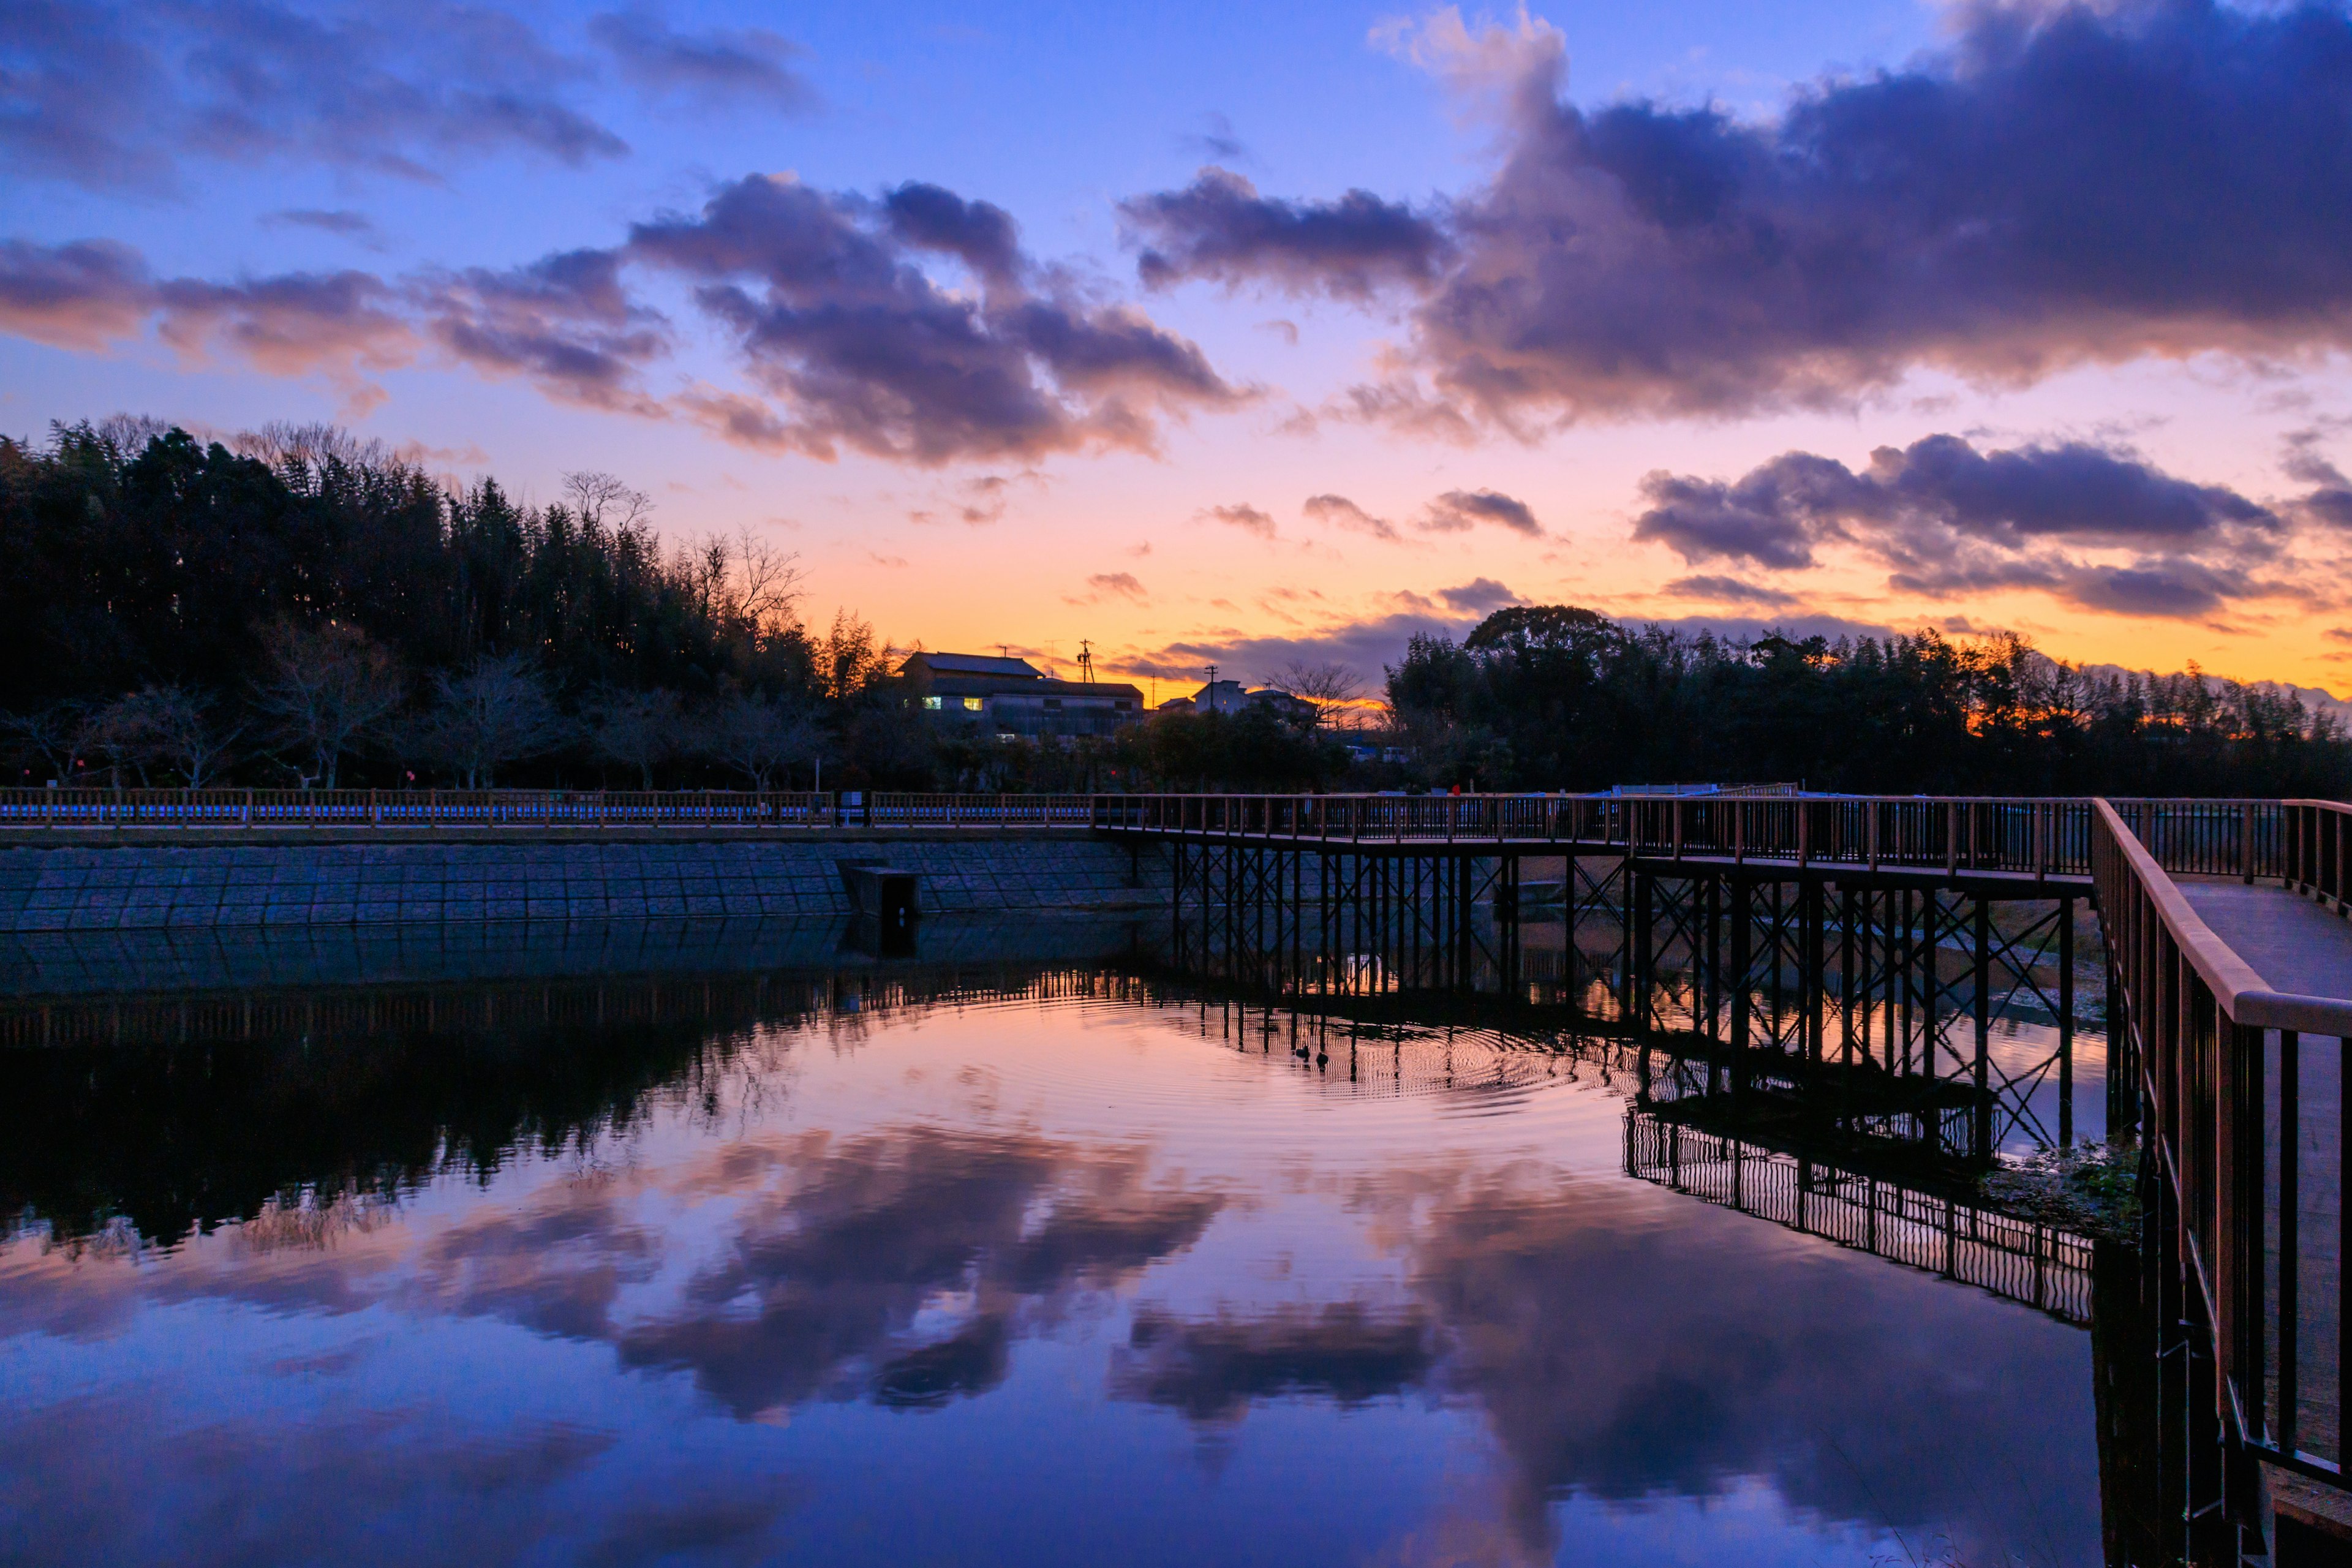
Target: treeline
x,y
299,608
1556,696
296,607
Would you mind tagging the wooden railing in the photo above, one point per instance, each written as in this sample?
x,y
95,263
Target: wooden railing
x,y
2047,836
2219,1062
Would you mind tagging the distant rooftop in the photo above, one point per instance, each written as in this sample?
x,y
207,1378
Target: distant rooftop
x,y
976,664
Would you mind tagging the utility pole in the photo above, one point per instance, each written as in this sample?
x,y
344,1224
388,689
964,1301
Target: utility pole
x,y
1086,662
1212,689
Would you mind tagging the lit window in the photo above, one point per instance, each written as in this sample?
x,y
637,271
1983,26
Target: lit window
x,y
971,704
931,703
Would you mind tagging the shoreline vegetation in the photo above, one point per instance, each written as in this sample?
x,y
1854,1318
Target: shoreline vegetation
x,y
297,608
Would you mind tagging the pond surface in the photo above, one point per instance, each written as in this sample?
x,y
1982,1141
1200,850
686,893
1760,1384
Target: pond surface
x,y
1058,1267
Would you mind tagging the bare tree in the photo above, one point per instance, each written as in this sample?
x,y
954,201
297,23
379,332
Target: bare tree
x,y
309,448
165,726
604,501
128,434
328,689
760,737
765,585
1333,689
639,730
497,713
51,735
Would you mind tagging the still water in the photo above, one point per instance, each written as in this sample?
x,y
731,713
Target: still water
x,y
883,1263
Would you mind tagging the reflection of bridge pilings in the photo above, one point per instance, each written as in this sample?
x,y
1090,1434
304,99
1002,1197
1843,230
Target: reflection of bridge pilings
x,y
1895,980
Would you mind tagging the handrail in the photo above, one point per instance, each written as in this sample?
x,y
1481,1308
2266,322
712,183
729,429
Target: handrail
x,y
2189,1033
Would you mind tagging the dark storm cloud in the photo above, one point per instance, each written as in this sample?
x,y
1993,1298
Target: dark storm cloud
x,y
865,350
1457,512
2061,185
750,65
1947,519
117,96
1219,228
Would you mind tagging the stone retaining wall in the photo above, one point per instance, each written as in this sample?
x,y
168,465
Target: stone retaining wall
x,y
76,887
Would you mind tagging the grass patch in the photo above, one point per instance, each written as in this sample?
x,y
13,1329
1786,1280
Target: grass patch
x,y
2091,1189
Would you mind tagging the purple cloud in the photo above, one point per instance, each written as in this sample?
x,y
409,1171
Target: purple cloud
x,y
1457,512
1947,519
2062,184
109,96
750,65
850,341
78,296
1477,596
1241,515
1219,228
1341,513
863,349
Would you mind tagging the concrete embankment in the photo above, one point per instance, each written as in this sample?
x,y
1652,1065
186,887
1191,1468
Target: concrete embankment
x,y
199,878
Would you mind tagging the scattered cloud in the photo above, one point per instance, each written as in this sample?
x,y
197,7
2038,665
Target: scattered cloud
x,y
117,96
1240,515
1730,591
849,343
1215,141
863,349
79,296
724,66
2330,499
1947,519
1478,596
1458,511
565,322
1341,513
1221,229
1121,584
337,221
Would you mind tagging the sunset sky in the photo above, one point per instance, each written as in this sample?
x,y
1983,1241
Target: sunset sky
x,y
1242,333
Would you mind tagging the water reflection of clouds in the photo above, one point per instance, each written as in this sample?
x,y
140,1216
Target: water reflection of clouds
x,y
828,1273
1619,1347
1619,1359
